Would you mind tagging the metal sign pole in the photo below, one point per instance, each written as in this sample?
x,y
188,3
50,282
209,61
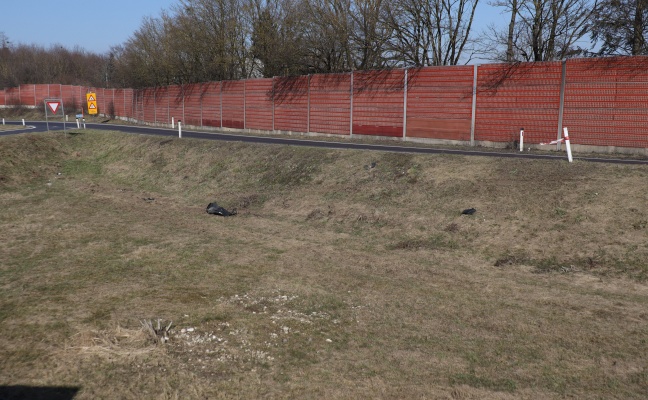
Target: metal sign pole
x,y
54,105
64,118
46,115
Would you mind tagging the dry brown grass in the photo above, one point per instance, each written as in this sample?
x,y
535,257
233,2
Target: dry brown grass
x,y
335,280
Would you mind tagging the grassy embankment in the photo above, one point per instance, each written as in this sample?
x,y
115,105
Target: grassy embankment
x,y
335,280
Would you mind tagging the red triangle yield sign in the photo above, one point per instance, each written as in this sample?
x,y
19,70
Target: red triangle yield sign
x,y
53,105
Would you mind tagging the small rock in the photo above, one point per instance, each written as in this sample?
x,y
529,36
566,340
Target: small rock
x,y
329,341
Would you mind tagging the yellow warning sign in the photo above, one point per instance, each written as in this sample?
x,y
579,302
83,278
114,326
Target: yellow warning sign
x,y
92,102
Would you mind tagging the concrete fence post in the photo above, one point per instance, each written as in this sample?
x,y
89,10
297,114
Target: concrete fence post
x,y
405,104
474,106
154,105
221,104
561,109
351,108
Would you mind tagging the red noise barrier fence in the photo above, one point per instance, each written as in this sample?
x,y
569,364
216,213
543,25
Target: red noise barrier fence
x,y
603,102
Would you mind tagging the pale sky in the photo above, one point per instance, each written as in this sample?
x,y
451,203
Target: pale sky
x,y
92,25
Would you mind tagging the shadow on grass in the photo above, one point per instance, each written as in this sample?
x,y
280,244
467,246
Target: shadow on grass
x,y
38,392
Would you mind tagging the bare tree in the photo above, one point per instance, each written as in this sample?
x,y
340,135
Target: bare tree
x,y
369,34
542,30
621,27
144,60
217,35
430,32
327,34
277,38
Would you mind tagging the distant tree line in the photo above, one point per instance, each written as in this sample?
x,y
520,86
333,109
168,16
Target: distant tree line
x,y
208,40
25,64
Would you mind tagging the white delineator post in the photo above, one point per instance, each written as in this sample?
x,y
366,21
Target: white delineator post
x,y
521,139
3,121
78,124
172,123
179,129
569,153
23,121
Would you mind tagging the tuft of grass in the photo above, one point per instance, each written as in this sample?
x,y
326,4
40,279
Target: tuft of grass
x,y
473,380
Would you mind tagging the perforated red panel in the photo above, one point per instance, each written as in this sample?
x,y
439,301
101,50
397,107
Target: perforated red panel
x,y
40,94
439,102
108,96
148,105
71,98
119,103
192,109
330,103
511,97
54,91
102,100
12,96
129,106
233,104
161,105
211,100
258,104
606,102
175,103
378,99
291,104
27,95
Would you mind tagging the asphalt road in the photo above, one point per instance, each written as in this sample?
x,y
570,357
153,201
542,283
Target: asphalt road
x,y
39,126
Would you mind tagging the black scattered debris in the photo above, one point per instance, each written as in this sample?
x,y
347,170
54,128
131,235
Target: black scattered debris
x,y
469,211
371,166
148,199
215,209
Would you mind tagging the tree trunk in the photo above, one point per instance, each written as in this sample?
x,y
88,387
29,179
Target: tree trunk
x,y
511,31
638,40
